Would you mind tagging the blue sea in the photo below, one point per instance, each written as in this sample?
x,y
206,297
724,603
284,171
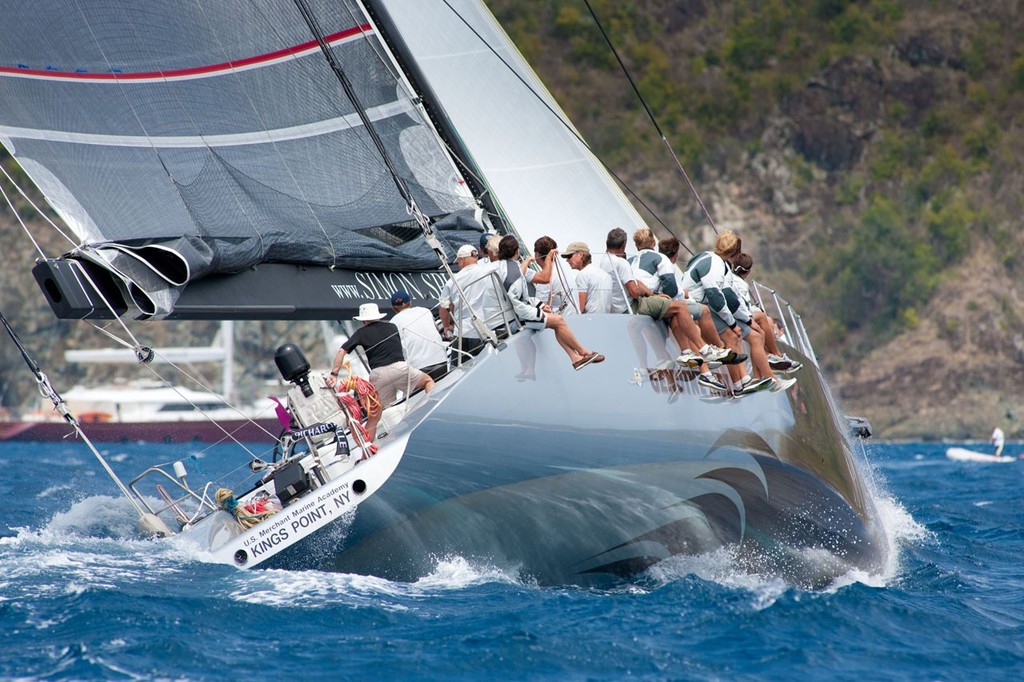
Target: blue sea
x,y
84,597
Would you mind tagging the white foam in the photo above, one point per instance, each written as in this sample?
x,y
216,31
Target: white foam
x,y
318,589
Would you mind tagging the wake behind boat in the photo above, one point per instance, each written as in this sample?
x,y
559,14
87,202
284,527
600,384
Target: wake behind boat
x,y
321,155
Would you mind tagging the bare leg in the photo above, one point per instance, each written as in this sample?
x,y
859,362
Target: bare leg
x,y
768,329
371,424
733,342
707,328
758,357
683,325
566,339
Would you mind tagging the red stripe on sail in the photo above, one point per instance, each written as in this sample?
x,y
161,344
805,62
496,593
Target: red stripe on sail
x,y
185,73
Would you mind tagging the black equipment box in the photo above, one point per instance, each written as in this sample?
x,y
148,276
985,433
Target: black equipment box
x,y
290,481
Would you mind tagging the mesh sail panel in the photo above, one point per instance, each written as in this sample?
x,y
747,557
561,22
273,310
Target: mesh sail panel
x,y
220,124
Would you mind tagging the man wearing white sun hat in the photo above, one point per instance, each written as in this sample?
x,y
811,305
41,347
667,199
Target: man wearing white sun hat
x,y
389,372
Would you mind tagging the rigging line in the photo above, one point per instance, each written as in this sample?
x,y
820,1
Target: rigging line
x,y
650,115
49,392
376,47
199,382
309,204
146,355
45,217
562,120
141,351
350,92
414,210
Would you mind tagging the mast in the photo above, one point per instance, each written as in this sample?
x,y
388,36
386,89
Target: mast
x,y
429,234
392,37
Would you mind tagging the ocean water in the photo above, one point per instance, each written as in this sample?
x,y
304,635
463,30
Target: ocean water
x,y
83,597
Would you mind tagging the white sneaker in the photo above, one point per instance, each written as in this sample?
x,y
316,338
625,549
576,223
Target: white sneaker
x,y
710,352
756,385
782,384
689,358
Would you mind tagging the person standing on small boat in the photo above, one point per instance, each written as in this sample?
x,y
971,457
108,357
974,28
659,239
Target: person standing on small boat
x,y
998,440
422,343
389,372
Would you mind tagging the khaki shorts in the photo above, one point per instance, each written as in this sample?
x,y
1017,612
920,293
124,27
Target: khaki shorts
x,y
389,379
651,306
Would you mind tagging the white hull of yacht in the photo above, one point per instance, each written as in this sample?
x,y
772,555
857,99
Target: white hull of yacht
x,y
351,482
590,477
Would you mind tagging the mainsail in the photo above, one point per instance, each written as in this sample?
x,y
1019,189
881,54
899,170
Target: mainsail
x,y
183,140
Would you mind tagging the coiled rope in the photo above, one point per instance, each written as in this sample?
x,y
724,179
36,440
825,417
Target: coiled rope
x,y
248,515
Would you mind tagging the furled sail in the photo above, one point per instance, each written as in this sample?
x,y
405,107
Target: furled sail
x,y
184,139
545,178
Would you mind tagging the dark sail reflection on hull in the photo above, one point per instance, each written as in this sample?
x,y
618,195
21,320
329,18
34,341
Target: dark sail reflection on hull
x,y
585,477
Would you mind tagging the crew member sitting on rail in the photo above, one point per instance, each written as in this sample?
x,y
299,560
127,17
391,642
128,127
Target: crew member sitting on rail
x,y
779,362
593,285
471,281
669,248
529,310
705,280
643,301
554,283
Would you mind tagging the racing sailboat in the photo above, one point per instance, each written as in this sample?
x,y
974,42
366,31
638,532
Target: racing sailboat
x,y
291,160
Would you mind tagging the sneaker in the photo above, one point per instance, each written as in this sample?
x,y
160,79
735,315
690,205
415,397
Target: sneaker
x,y
689,359
709,381
734,358
793,367
710,352
597,358
779,363
757,385
712,356
782,384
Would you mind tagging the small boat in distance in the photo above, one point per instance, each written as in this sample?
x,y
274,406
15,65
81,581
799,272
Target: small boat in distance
x,y
147,411
965,455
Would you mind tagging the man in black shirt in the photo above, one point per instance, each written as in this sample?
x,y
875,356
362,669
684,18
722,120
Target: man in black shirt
x,y
389,372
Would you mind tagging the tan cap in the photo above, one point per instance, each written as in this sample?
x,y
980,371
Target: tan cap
x,y
575,247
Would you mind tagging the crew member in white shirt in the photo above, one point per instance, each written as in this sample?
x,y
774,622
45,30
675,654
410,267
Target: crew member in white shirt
x,y
424,348
593,284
